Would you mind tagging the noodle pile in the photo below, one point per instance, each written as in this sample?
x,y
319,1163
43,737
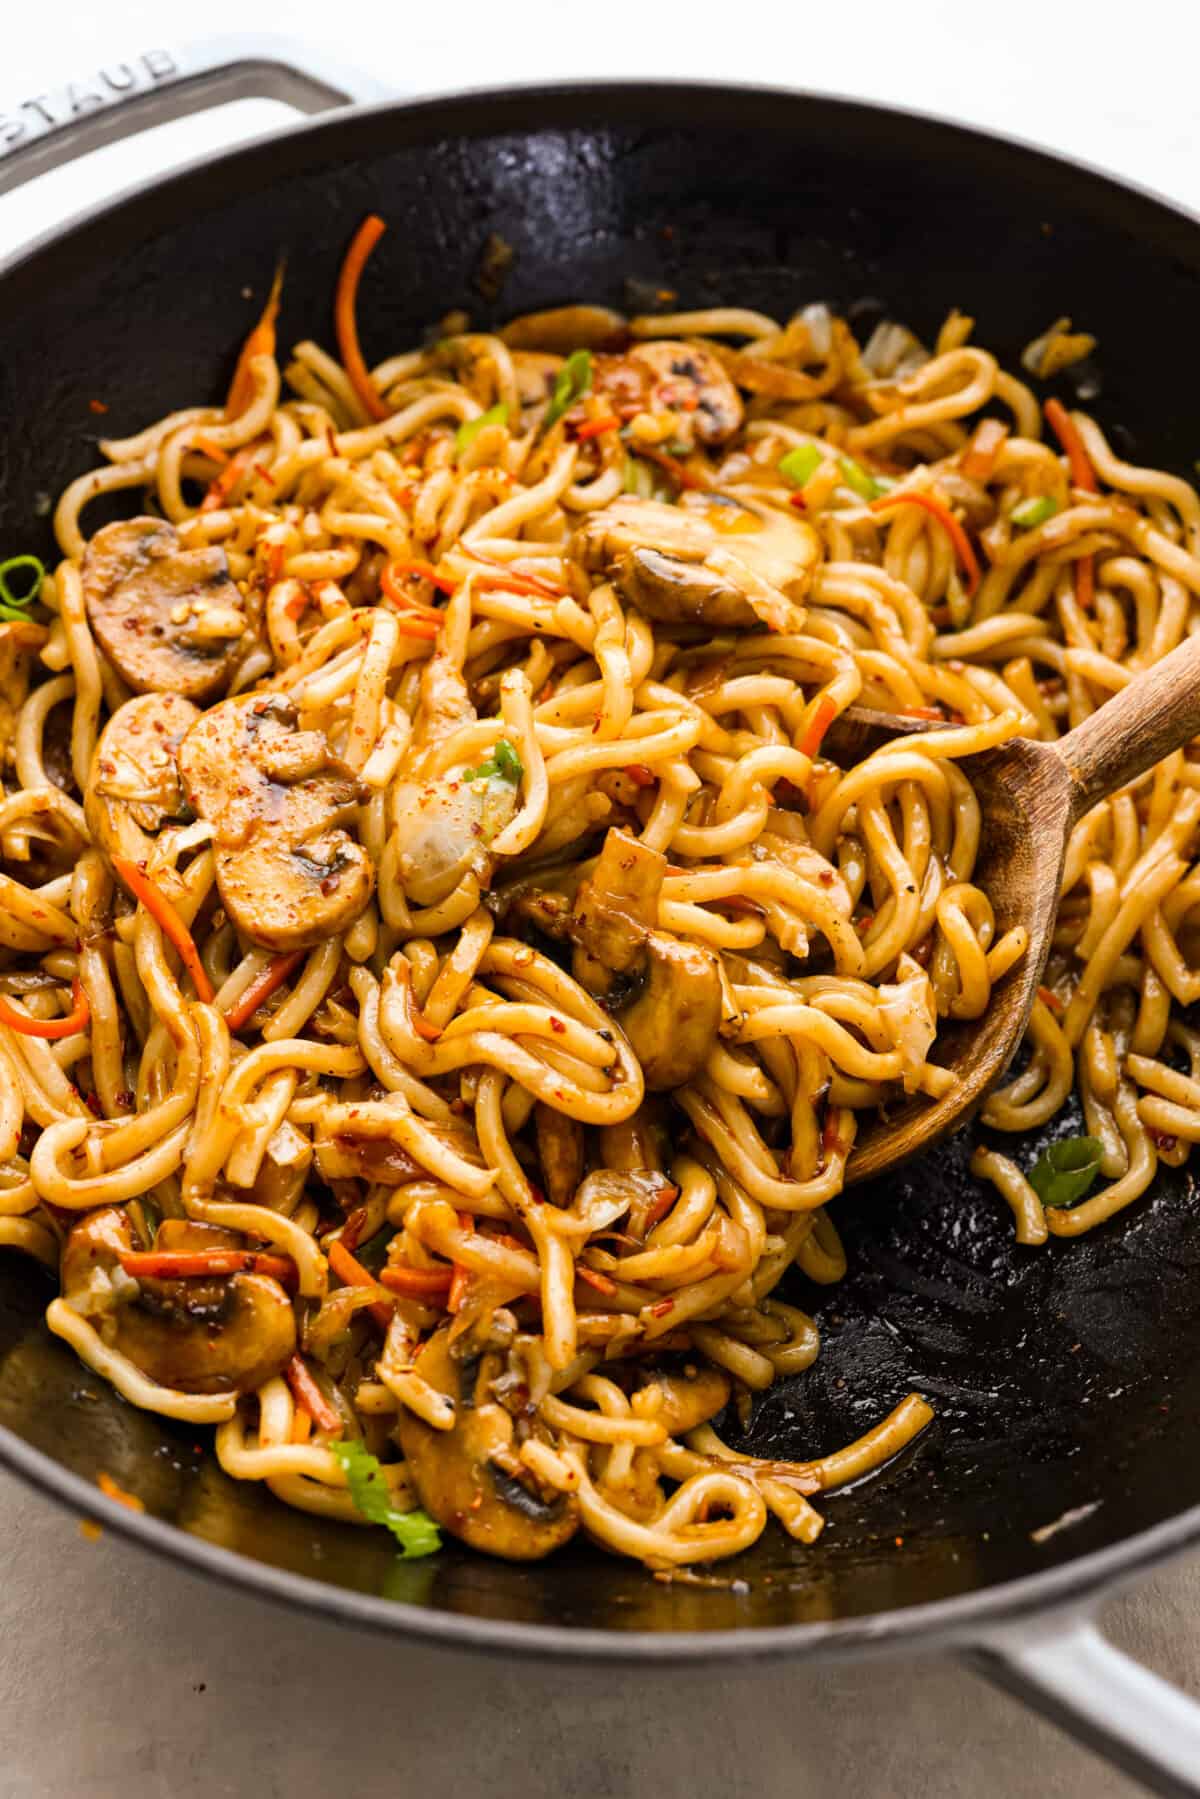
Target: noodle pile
x,y
441,1000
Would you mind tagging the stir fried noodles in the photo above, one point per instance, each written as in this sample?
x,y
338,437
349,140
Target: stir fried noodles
x,y
445,961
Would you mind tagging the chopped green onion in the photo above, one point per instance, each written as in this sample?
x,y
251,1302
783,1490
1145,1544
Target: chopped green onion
x,y
1063,1173
13,605
1034,512
416,1532
505,765
574,380
639,478
677,448
801,464
469,430
373,1253
856,477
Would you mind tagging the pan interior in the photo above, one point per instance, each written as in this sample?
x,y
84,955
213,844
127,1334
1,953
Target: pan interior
x,y
1064,1378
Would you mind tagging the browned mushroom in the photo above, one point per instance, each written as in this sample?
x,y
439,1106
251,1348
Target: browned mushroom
x,y
134,788
715,561
560,1152
470,1478
665,994
689,377
443,830
169,619
198,1335
680,1402
278,800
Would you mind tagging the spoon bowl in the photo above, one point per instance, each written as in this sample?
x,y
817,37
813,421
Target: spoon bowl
x,y
1031,794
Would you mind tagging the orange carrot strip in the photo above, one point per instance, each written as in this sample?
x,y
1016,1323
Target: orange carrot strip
x,y
261,342
301,1426
460,1280
963,548
596,428
819,723
1049,998
351,1273
393,572
195,1264
228,478
212,450
979,457
417,1283
671,466
532,584
75,1020
310,1398
164,914
111,1490
345,324
273,975
1063,426
658,1208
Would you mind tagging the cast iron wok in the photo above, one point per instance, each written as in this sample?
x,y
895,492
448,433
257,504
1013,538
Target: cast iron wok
x,y
1067,1379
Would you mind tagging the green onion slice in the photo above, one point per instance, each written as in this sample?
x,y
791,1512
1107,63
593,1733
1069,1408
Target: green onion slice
x,y
574,380
469,430
504,765
800,465
856,477
30,573
416,1532
1034,512
1064,1173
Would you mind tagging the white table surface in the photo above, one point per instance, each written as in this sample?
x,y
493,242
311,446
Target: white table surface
x,y
120,1675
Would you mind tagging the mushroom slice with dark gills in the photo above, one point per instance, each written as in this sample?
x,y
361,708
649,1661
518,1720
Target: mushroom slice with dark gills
x,y
203,1334
714,561
289,873
134,788
688,378
664,993
469,1478
169,619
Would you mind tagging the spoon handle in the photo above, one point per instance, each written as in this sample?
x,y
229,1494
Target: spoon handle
x,y
1158,712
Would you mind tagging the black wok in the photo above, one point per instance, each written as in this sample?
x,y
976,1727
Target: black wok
x,y
1066,1379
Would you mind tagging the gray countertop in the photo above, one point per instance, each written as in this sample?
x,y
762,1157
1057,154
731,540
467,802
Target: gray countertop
x,y
121,1675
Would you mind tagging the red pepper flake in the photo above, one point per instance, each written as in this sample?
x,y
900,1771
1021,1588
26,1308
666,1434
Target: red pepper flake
x,y
99,406
798,501
1049,998
260,468
556,1024
109,1487
593,1278
662,1308
639,774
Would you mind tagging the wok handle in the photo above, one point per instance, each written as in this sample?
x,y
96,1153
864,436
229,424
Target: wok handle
x,y
122,98
1066,1670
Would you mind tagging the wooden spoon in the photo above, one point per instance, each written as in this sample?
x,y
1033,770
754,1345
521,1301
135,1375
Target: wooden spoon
x,y
1032,795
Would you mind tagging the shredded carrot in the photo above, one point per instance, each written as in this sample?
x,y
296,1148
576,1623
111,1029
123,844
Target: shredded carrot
x,y
310,1398
937,509
519,583
195,1264
658,1208
933,712
460,1280
417,1283
393,572
979,457
639,774
351,1273
211,450
164,914
228,478
75,1020
261,342
818,724
345,324
1049,998
1063,426
301,1426
273,975
671,465
111,1490
596,428
594,1278
419,1022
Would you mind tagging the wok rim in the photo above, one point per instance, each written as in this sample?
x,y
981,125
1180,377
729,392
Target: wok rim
x,y
962,1620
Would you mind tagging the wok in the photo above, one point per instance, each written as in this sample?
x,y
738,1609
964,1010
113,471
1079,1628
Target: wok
x,y
1066,1380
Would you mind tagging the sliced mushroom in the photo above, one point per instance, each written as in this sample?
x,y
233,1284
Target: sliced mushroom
x,y
169,619
688,377
716,561
665,994
134,787
560,1153
203,1335
469,1478
561,329
443,831
289,873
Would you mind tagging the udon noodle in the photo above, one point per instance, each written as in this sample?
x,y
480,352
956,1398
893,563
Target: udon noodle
x,y
445,961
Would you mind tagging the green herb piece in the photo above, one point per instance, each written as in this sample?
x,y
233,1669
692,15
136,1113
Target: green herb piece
x,y
504,765
574,380
677,447
1034,512
856,477
416,1532
32,573
373,1253
1063,1174
801,464
469,430
639,478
